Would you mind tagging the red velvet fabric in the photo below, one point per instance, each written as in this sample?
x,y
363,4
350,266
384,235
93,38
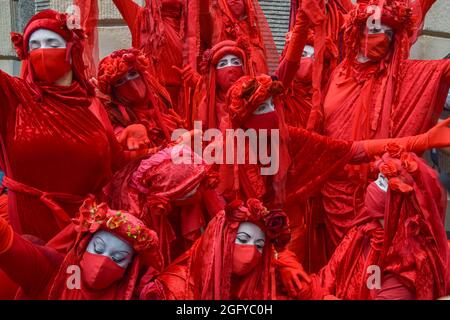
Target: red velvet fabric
x,y
55,145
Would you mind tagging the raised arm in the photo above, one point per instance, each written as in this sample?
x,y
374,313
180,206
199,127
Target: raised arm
x,y
129,10
206,24
291,61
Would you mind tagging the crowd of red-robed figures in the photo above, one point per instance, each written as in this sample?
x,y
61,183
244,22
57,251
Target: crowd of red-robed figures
x,y
94,207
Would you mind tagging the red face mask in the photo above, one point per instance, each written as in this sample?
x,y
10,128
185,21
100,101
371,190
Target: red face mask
x,y
99,272
304,72
267,120
49,64
236,7
375,201
375,46
226,77
245,259
132,93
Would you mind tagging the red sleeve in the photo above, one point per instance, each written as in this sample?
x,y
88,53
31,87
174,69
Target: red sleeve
x,y
393,289
30,266
314,159
129,10
206,25
7,99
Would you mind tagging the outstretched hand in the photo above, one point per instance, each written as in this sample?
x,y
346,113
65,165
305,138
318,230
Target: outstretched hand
x,y
134,137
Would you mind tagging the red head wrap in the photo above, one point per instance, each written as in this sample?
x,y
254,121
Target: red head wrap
x,y
247,94
58,23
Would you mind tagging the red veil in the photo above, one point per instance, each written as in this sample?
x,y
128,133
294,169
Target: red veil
x,y
204,102
205,271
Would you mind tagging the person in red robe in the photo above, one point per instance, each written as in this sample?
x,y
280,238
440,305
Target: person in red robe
x,y
56,143
109,251
397,248
158,29
134,96
233,19
233,259
221,66
376,92
177,200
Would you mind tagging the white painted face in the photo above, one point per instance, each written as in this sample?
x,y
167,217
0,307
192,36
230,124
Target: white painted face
x,y
308,51
382,182
266,107
107,244
373,29
130,75
229,60
250,234
45,39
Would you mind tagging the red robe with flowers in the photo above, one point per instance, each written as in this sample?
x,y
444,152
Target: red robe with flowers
x,y
393,98
55,150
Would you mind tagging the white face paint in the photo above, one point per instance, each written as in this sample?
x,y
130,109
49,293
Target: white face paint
x,y
107,244
383,29
229,60
44,39
130,75
250,234
308,51
382,182
266,107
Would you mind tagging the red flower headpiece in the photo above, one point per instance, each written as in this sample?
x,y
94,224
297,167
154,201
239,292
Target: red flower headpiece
x,y
275,224
94,217
117,64
247,94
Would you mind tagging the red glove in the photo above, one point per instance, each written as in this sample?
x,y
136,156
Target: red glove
x,y
291,272
6,236
299,36
188,75
134,137
436,137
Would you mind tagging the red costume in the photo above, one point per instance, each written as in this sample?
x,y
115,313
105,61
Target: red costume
x,y
231,20
205,271
392,97
176,200
56,142
411,248
158,30
140,100
298,149
43,272
209,105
